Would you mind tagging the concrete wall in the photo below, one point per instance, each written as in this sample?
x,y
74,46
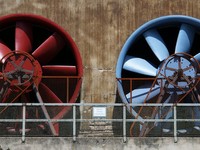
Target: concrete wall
x,y
100,28
99,144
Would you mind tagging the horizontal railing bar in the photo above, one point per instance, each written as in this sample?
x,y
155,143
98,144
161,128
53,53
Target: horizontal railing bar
x,y
102,120
11,120
98,104
162,120
61,77
60,104
143,79
165,104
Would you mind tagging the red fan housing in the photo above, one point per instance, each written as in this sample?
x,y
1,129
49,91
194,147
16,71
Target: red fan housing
x,y
38,57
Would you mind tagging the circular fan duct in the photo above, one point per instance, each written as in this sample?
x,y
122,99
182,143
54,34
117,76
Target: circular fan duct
x,y
159,63
39,63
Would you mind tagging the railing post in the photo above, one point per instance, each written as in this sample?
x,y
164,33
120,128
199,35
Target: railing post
x,y
74,123
23,122
175,125
124,123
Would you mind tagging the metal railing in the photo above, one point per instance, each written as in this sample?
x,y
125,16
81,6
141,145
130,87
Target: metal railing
x,y
74,120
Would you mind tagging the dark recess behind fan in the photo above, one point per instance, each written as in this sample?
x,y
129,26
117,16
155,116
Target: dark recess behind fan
x,y
141,48
65,56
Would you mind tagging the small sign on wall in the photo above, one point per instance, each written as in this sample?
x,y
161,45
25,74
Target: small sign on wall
x,y
99,112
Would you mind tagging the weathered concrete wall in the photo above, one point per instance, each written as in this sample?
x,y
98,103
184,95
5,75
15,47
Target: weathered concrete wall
x,y
99,144
100,28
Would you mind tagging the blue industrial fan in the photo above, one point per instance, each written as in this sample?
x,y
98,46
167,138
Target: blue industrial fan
x,y
159,63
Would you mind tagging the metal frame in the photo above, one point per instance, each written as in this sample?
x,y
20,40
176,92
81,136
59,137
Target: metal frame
x,y
145,129
74,120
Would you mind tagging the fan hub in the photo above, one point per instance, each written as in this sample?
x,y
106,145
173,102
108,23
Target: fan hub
x,y
21,69
178,73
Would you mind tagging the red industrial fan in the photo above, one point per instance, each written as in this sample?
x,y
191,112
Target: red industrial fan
x,y
39,63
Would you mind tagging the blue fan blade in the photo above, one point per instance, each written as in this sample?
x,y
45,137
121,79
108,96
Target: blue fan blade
x,y
157,44
185,39
197,57
139,96
139,65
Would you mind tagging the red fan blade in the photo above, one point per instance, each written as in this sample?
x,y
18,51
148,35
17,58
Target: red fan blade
x,y
47,95
59,70
23,37
48,49
4,50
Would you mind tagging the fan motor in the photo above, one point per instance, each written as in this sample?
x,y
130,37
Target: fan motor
x,y
21,69
179,71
